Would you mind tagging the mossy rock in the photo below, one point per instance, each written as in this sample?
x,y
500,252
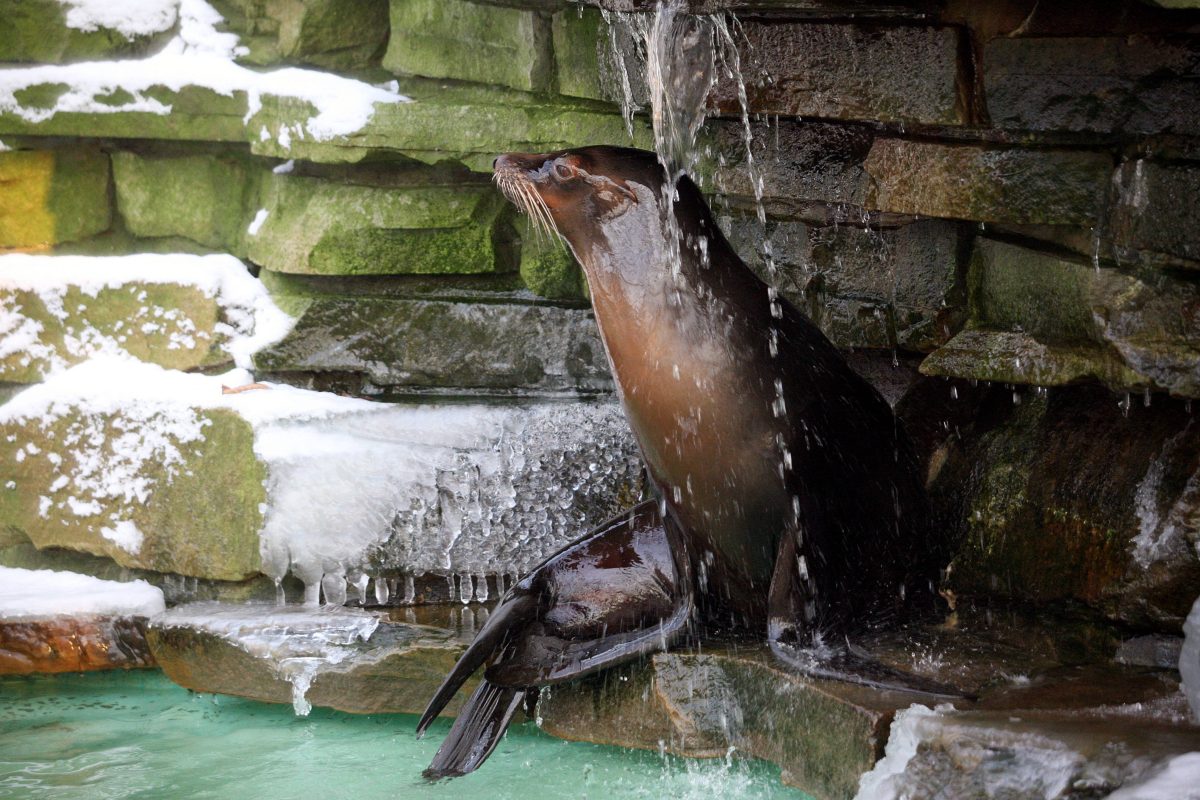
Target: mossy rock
x,y
548,268
52,196
319,227
189,499
335,34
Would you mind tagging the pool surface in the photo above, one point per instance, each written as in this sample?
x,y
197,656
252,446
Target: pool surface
x,y
137,735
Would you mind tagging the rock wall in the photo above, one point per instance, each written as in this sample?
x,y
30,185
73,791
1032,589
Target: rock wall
x,y
1001,193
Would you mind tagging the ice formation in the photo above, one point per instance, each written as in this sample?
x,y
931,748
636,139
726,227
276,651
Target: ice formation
x,y
1189,660
299,641
42,593
354,487
250,319
198,56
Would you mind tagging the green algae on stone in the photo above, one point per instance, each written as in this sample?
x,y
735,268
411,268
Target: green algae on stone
x,y
335,34
194,502
470,42
53,196
204,198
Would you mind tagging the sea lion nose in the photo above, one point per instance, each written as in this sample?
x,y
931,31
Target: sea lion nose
x,y
495,161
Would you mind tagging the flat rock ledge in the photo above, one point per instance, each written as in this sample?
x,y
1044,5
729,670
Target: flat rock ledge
x,y
1094,725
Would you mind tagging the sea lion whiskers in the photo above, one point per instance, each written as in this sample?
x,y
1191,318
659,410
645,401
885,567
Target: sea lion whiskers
x,y
521,193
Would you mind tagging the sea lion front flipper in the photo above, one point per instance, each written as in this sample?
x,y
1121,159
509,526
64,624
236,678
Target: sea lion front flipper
x,y
621,591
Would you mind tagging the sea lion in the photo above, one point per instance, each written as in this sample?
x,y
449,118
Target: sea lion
x,y
790,497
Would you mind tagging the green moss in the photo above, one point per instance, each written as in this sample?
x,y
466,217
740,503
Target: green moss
x,y
36,31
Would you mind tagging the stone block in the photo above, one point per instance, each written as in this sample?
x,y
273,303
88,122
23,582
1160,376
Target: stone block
x,y
313,226
1156,212
1052,187
187,503
471,42
50,32
1128,84
203,198
414,344
52,196
903,74
335,34
73,644
1060,320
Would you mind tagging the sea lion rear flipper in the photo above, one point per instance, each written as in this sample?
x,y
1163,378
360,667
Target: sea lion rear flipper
x,y
476,732
622,590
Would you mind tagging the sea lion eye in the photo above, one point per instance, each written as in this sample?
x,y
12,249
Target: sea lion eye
x,y
563,172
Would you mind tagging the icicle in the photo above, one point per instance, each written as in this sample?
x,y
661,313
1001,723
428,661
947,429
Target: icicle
x,y
382,593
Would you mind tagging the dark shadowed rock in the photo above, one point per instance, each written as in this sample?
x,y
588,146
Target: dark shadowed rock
x,y
1156,212
893,74
1129,85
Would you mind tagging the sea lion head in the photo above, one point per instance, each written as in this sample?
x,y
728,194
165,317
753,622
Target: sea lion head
x,y
573,193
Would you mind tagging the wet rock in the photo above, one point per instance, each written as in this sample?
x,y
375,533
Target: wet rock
x,y
1150,651
1053,187
894,74
63,622
204,198
822,734
1043,319
49,32
335,34
800,164
1156,212
470,41
356,661
1065,497
1133,84
983,755
892,288
52,196
429,344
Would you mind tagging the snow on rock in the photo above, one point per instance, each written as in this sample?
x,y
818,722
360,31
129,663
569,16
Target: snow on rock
x,y
130,18
298,641
199,56
27,594
249,319
352,486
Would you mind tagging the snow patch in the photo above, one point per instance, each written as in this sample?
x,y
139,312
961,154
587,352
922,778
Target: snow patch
x,y
43,593
129,18
199,55
1177,779
257,222
884,781
124,535
285,167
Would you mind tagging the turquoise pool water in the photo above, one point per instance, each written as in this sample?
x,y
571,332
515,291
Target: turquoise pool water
x,y
137,735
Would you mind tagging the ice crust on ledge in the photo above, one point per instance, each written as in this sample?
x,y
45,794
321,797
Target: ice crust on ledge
x,y
199,56
299,641
29,594
354,488
251,321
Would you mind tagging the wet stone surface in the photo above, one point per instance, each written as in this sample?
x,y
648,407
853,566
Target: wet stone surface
x,y
73,644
